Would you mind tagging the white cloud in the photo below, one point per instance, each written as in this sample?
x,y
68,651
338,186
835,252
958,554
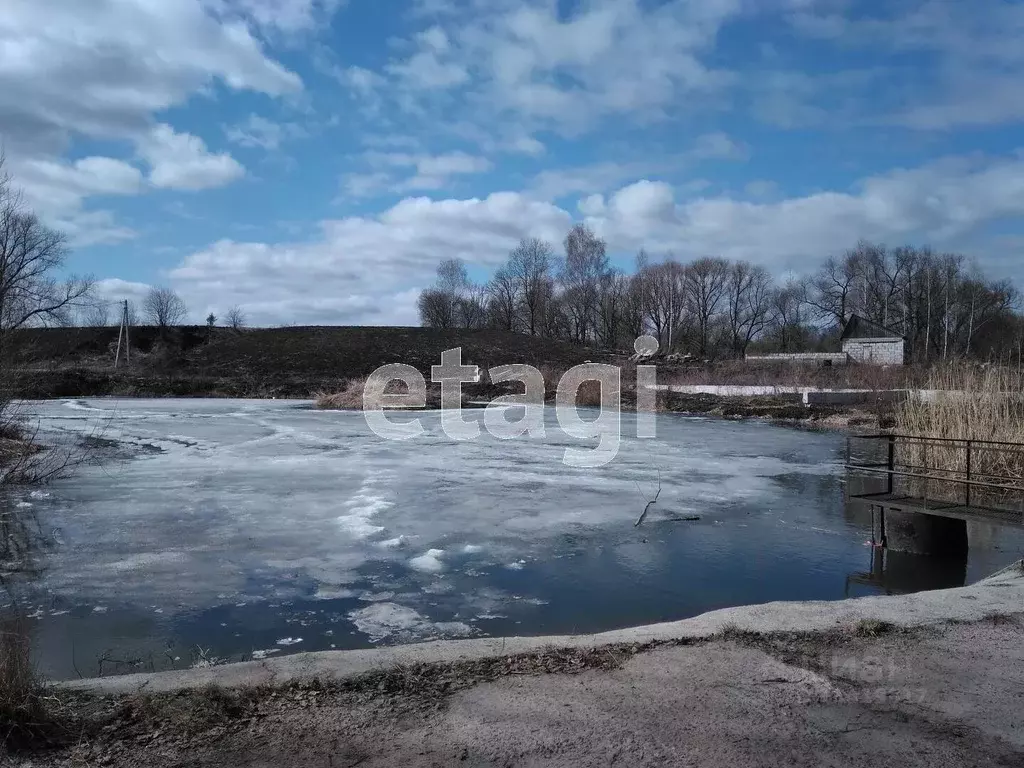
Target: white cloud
x,y
600,177
53,186
85,228
284,16
936,203
432,65
718,146
257,131
56,191
974,70
363,269
368,269
114,289
521,61
102,69
428,172
181,161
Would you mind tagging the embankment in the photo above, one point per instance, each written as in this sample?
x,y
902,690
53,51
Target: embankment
x,y
931,679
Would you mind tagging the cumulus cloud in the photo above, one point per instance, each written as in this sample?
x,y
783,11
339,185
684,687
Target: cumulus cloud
x,y
102,70
975,67
284,16
600,177
182,161
522,60
363,269
56,190
427,172
114,290
369,269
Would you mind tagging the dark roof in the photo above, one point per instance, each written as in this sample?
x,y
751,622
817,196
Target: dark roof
x,y
858,327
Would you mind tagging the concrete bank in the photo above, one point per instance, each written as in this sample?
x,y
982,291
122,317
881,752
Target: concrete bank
x,y
1000,594
810,395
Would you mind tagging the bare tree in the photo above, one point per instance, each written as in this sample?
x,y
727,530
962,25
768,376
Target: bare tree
x,y
30,255
586,263
133,313
471,307
705,289
436,309
164,308
529,265
235,318
444,304
787,323
663,292
503,295
748,296
452,277
97,315
834,292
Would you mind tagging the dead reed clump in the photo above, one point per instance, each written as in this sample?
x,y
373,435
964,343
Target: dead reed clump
x,y
589,394
348,399
25,718
966,403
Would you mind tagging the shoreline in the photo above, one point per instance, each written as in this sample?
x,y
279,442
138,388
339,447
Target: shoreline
x,y
929,679
999,593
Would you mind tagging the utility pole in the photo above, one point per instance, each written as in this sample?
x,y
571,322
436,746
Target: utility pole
x,y
122,333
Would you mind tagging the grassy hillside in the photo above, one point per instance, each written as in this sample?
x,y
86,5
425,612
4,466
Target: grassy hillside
x,y
261,362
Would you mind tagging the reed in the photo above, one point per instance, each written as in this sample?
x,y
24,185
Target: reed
x,y
966,403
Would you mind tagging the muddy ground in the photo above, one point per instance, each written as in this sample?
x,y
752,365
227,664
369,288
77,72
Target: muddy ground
x,y
875,696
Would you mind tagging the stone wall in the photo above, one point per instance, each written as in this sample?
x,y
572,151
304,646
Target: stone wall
x,y
875,351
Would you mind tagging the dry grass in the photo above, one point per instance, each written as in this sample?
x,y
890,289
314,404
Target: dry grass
x,y
351,397
979,404
348,399
25,719
787,374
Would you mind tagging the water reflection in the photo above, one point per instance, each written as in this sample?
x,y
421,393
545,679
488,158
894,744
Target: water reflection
x,y
24,544
898,573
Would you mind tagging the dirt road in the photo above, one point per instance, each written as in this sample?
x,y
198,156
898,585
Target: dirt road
x,y
950,695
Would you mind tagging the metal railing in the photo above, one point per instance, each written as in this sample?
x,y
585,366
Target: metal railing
x,y
906,457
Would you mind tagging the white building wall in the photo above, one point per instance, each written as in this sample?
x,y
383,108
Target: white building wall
x,y
875,351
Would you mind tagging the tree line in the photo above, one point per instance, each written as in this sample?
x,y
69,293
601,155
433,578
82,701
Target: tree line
x,y
716,308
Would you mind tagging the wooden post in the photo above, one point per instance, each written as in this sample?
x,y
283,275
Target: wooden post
x,y
120,335
968,484
127,340
892,464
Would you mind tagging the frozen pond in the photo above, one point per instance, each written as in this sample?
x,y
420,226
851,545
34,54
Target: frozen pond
x,y
228,528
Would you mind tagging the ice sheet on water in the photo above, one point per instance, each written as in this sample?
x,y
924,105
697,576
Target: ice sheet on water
x,y
429,561
252,500
390,621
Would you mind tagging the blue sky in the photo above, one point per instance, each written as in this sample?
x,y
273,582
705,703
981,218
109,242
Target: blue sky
x,y
313,160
